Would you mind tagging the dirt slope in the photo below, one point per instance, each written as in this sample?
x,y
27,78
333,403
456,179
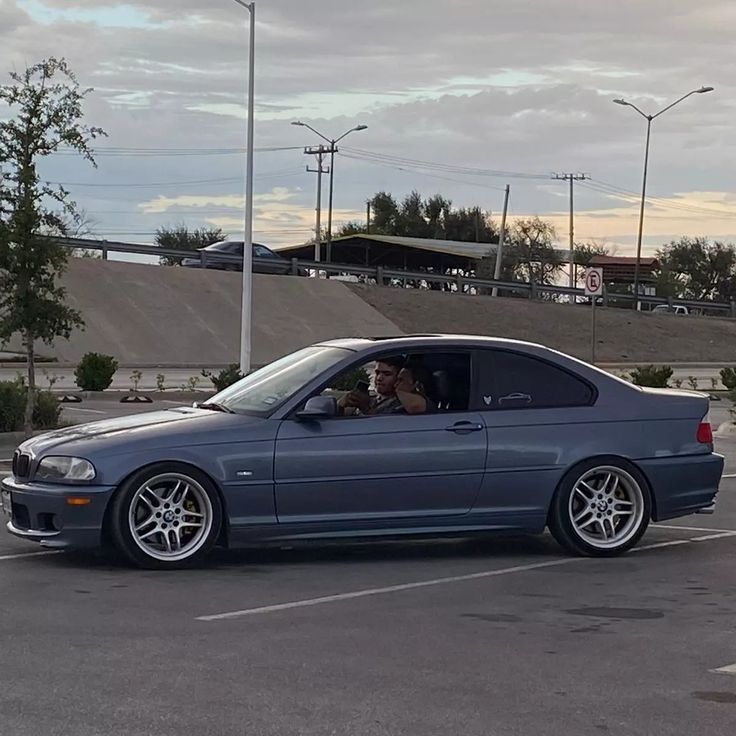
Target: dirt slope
x,y
623,336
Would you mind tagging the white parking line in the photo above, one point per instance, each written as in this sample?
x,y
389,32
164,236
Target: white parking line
x,y
693,528
439,581
729,669
659,545
708,537
729,475
30,554
84,411
387,589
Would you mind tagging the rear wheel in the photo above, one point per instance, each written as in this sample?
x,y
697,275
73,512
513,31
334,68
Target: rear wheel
x,y
601,509
165,517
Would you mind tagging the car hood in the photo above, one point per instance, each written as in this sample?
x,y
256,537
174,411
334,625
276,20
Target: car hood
x,y
139,429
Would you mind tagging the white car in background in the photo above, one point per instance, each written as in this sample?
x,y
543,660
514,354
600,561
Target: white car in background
x,y
667,309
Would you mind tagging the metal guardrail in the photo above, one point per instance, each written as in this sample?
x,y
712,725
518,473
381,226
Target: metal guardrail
x,y
383,276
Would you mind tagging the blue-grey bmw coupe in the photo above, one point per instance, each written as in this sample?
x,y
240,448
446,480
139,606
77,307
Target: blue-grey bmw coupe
x,y
367,438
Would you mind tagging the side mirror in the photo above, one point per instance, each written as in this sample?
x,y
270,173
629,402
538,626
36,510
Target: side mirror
x,y
319,407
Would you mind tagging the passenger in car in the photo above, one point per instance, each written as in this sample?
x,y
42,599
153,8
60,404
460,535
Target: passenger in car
x,y
413,387
401,386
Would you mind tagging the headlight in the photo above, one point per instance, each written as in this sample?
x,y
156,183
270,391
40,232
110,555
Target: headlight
x,y
65,468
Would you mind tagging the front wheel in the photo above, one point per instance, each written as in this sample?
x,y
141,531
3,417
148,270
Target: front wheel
x,y
601,509
166,517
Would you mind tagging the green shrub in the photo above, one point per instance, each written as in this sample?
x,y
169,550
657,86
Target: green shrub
x,y
224,378
347,381
46,411
728,378
12,405
650,375
95,372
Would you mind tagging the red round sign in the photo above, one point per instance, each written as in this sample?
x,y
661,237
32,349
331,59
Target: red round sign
x,y
593,281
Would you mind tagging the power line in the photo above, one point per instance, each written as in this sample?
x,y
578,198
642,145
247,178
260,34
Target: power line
x,y
130,185
662,202
409,170
437,166
113,151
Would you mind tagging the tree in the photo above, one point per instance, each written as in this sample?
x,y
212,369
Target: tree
x,y
694,268
416,217
531,255
351,228
410,220
81,226
181,238
384,214
45,113
583,254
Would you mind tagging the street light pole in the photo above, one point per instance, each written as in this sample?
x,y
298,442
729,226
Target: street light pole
x,y
641,215
246,316
649,119
332,151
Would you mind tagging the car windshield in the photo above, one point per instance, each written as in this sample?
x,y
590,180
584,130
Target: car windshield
x,y
260,251
263,391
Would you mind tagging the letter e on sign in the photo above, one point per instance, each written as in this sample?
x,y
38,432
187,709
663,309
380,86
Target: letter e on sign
x,y
594,282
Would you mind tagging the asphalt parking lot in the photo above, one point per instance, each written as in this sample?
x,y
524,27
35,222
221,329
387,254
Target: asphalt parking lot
x,y
504,636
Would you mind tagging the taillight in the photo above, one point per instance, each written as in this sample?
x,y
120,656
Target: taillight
x,y
705,433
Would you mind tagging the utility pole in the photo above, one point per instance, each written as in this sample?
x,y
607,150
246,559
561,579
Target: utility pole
x,y
501,238
320,152
368,217
332,150
571,178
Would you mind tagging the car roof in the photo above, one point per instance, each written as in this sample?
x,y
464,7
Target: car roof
x,y
221,243
409,342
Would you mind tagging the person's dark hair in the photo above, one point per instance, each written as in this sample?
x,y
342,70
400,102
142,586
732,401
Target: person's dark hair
x,y
395,361
420,374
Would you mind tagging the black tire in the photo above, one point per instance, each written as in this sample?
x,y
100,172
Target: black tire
x,y
201,500
634,487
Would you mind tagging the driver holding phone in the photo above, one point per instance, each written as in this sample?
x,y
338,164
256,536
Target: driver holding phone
x,y
400,387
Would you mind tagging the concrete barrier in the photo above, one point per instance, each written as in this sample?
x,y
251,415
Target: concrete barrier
x,y
153,315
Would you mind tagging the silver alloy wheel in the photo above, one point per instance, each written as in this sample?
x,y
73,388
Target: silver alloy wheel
x,y
606,507
170,517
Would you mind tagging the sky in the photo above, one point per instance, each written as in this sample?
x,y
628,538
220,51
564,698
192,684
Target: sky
x,y
459,98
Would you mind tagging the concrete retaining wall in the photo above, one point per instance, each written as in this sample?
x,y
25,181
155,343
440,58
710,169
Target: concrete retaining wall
x,y
153,315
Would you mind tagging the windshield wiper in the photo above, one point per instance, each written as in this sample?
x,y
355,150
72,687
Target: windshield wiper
x,y
212,406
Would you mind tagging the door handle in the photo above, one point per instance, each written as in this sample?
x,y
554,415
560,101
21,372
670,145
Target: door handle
x,y
465,427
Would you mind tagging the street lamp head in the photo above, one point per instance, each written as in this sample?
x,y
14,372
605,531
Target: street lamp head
x,y
299,123
621,101
360,127
703,90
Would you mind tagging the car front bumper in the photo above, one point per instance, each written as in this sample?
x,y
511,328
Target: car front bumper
x,y
42,513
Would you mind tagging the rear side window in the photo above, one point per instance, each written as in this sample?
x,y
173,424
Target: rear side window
x,y
508,380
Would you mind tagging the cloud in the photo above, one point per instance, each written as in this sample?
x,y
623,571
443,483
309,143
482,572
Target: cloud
x,y
521,87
